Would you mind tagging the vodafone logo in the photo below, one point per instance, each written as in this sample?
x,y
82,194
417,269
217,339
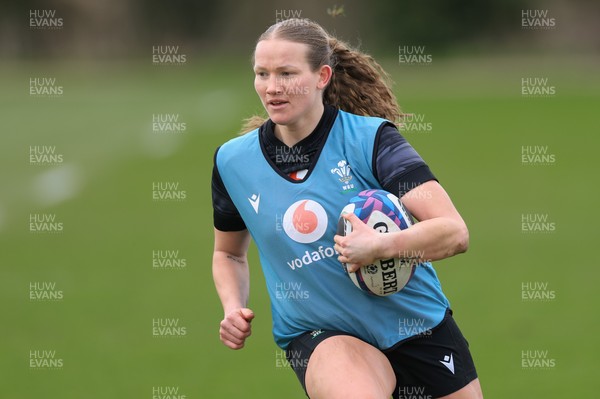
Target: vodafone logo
x,y
305,221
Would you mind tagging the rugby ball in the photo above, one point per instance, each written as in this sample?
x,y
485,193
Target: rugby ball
x,y
385,213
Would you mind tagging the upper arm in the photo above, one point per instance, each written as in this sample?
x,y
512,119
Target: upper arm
x,y
396,164
402,171
429,200
234,243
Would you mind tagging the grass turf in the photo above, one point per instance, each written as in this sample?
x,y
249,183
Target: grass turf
x,y
102,260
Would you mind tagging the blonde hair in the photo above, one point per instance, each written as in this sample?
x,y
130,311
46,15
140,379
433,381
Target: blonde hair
x,y
358,85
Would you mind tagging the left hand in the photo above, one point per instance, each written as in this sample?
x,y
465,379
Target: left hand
x,y
359,248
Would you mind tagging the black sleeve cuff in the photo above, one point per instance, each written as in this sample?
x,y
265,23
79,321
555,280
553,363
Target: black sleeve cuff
x,y
401,184
228,222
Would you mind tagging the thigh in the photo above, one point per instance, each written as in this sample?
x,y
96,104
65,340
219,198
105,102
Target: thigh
x,y
345,367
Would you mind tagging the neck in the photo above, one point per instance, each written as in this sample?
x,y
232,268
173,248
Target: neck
x,y
292,134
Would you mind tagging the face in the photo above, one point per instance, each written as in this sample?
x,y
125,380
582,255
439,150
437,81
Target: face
x,y
290,91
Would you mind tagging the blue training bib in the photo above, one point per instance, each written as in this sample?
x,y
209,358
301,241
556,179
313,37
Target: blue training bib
x,y
293,224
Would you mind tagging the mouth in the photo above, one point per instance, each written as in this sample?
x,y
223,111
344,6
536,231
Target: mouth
x,y
277,103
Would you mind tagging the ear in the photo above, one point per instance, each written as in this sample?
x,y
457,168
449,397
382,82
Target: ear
x,y
325,73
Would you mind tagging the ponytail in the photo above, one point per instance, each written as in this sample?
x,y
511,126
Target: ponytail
x,y
253,122
358,85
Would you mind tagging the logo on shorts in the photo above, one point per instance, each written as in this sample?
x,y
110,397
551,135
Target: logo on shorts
x,y
448,362
316,333
305,221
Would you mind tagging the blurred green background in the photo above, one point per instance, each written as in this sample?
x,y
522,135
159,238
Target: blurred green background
x,y
100,190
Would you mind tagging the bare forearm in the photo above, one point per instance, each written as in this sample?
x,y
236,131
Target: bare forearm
x,y
428,240
232,280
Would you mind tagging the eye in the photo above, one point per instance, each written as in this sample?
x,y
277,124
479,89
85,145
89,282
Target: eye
x,y
287,74
261,74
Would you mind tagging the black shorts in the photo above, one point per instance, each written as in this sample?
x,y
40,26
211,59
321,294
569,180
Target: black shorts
x,y
435,363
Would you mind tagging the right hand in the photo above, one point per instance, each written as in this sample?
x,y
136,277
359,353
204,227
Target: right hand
x,y
236,327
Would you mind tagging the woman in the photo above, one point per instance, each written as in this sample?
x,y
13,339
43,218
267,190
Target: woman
x,y
329,107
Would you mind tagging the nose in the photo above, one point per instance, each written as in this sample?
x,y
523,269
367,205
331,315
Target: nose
x,y
274,86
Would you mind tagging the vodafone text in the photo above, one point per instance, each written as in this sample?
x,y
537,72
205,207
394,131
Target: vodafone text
x,y
310,257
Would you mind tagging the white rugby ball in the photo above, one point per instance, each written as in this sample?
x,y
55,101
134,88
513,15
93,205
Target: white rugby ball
x,y
385,213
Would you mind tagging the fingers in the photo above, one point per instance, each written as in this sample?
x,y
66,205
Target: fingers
x,y
357,227
247,314
357,248
235,328
233,337
349,255
340,248
339,243
353,219
345,256
352,267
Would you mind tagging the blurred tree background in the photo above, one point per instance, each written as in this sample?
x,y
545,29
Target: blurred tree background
x,y
126,28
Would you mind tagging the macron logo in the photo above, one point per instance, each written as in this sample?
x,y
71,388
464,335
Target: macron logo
x,y
448,362
255,201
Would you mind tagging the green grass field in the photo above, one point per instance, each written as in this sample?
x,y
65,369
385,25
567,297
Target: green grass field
x,y
102,260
